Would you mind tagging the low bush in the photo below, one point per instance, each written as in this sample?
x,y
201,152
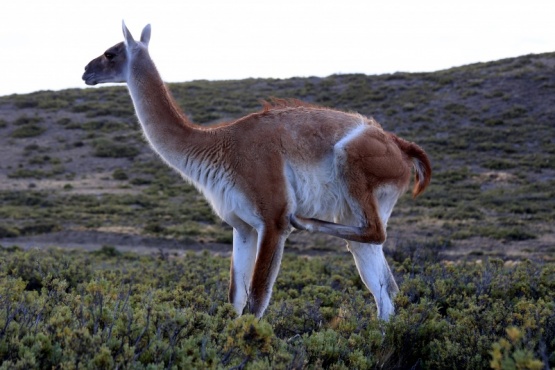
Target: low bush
x,y
22,173
8,232
39,228
25,131
109,309
108,148
26,120
119,175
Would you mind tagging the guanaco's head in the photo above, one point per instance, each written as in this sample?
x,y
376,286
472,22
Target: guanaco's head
x,y
113,64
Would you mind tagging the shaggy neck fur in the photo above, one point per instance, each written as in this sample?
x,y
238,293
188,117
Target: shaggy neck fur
x,y
169,132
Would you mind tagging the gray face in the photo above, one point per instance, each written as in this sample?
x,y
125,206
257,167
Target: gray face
x,y
109,67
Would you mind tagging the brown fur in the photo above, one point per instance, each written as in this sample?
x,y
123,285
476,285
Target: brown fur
x,y
256,170
412,151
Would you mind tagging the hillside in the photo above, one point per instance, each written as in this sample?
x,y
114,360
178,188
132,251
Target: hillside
x,y
76,172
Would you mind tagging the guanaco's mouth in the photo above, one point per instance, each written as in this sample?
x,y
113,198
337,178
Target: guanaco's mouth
x,y
89,79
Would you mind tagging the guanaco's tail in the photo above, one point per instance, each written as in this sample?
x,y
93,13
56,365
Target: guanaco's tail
x,y
422,165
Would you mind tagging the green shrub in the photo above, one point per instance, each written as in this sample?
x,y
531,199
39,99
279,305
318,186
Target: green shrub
x,y
36,174
495,232
140,181
40,228
499,164
32,148
26,120
108,251
104,126
154,228
44,159
108,148
114,309
26,131
64,121
513,354
53,104
23,173
8,232
119,174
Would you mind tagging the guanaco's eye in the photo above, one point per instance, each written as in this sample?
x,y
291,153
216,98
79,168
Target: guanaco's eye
x,y
109,56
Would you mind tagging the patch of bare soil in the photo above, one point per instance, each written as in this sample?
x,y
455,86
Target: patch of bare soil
x,y
300,243
95,240
95,183
540,249
128,241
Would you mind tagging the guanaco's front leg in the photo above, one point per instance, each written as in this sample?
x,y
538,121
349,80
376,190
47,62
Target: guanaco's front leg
x,y
242,266
270,252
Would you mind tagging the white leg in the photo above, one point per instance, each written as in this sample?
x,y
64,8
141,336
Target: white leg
x,y
370,259
242,266
376,275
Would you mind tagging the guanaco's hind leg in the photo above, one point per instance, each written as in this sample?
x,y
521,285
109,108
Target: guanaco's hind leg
x,y
242,266
372,231
370,259
365,243
376,275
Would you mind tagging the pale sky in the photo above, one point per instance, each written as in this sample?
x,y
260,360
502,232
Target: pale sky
x,y
45,44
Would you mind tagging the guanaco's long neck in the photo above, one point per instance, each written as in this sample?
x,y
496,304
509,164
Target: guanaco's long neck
x,y
169,132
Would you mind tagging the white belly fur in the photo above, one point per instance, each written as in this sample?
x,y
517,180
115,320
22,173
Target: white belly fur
x,y
316,190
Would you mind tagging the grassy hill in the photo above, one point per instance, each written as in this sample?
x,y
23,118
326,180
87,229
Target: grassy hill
x,y
76,171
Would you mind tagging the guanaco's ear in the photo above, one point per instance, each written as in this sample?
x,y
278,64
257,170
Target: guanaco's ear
x,y
128,38
145,35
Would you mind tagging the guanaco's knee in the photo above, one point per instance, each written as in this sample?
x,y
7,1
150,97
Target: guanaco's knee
x,y
373,232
